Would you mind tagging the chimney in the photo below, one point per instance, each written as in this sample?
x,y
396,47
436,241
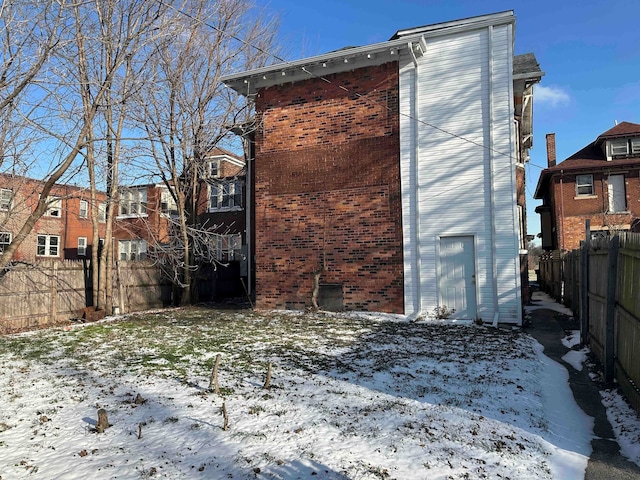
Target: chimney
x,y
551,149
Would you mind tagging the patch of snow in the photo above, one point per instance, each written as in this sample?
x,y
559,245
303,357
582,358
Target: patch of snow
x,y
572,339
576,358
625,422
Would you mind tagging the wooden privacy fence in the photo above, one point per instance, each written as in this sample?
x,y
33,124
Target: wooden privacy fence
x,y
601,284
52,291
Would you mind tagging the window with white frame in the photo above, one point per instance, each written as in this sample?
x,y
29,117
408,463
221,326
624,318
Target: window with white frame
x,y
54,207
48,246
6,198
84,209
584,185
5,240
214,168
619,147
132,249
635,146
102,212
133,202
82,246
225,195
226,247
167,203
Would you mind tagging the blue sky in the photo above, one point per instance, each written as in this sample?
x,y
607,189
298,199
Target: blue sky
x,y
589,50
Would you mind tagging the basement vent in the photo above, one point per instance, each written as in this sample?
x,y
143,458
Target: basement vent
x,y
330,297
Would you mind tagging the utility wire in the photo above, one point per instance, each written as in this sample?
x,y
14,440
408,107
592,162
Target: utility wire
x,y
342,87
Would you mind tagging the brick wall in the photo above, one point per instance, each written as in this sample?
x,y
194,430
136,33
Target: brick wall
x,y
327,183
572,212
68,226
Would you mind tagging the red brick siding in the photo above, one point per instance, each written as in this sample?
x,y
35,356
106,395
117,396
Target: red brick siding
x,y
572,212
327,179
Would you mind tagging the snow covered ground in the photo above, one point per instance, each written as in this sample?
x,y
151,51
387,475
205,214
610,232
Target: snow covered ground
x,y
351,397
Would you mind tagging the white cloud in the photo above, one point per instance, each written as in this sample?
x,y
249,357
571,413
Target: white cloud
x,y
552,96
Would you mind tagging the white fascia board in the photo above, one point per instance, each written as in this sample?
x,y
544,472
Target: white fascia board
x,y
460,25
247,83
234,161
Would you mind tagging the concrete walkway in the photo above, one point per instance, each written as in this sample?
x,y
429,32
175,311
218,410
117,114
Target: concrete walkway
x,y
606,463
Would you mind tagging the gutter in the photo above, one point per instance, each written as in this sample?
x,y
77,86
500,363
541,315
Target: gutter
x,y
416,226
492,199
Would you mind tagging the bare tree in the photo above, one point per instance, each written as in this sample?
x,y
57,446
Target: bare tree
x,y
187,111
56,96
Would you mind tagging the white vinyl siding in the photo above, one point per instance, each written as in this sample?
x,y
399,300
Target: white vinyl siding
x,y
465,90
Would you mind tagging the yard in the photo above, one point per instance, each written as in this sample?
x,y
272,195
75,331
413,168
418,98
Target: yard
x,y
351,397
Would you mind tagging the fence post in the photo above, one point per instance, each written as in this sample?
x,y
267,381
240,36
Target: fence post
x,y
584,285
54,292
612,280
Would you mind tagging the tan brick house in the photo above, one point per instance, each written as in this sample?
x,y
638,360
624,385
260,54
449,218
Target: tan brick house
x,y
385,176
599,183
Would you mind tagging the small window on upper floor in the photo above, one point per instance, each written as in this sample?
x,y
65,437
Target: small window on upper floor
x,y
6,198
584,185
635,146
102,212
214,168
84,209
5,240
133,202
54,208
619,147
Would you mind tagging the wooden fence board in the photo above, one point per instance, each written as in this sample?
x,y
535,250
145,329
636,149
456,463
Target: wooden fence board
x,y
625,298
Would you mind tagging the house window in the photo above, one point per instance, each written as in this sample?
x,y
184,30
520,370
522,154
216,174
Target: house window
x,y
102,212
619,147
133,202
6,198
227,246
132,249
84,209
635,146
168,204
5,240
617,194
54,208
225,195
82,246
48,246
584,185
214,168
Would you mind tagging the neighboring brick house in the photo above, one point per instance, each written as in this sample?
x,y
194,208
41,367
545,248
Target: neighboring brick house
x,y
65,231
385,176
221,204
143,220
599,183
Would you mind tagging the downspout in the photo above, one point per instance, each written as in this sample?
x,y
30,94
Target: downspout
x,y
248,226
561,213
492,200
416,174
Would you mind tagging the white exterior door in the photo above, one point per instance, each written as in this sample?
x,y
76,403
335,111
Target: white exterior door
x,y
457,280
617,195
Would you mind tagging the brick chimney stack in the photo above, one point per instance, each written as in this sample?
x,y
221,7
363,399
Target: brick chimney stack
x,y
551,149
